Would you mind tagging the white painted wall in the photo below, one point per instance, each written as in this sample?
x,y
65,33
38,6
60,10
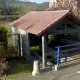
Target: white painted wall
x,y
21,32
24,42
15,37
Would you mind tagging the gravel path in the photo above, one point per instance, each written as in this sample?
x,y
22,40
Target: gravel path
x,y
69,73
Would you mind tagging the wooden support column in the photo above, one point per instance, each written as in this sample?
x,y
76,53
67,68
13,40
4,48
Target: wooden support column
x,y
43,49
20,45
28,46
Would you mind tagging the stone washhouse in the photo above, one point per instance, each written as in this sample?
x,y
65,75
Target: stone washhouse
x,y
43,24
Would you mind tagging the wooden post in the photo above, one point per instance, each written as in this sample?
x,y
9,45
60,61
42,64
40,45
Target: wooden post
x,y
28,46
65,56
20,44
43,49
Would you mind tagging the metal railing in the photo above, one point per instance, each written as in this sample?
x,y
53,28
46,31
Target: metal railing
x,y
59,51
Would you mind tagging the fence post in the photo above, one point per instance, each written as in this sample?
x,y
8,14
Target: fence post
x,y
58,55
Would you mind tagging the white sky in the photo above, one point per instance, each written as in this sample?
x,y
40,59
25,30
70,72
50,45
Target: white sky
x,y
37,1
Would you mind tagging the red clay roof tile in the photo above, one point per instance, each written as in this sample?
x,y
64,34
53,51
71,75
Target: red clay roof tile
x,y
37,22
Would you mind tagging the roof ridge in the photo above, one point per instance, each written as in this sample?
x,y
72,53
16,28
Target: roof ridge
x,y
49,11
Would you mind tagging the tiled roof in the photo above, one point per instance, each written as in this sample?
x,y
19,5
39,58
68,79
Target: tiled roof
x,y
37,22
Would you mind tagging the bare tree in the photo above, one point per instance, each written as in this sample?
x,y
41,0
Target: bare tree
x,y
67,5
78,6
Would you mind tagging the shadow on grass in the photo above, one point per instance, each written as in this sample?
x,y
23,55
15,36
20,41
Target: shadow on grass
x,y
17,68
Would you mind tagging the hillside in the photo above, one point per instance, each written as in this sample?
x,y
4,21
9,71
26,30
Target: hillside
x,y
13,10
20,7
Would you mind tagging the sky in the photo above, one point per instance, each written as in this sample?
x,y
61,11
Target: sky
x,y
37,1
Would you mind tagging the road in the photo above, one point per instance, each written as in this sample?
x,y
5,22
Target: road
x,y
70,73
73,76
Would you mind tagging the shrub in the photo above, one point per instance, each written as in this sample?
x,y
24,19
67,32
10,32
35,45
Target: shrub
x,y
3,34
3,65
2,51
3,47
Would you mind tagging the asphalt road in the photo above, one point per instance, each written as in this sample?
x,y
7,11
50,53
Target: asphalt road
x,y
70,73
73,76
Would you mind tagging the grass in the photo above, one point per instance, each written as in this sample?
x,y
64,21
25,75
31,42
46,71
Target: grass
x,y
5,16
34,48
18,68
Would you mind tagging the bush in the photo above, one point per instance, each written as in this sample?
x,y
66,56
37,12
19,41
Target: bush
x,y
3,35
2,51
3,47
3,65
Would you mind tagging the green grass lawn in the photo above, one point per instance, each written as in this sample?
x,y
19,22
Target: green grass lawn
x,y
18,68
